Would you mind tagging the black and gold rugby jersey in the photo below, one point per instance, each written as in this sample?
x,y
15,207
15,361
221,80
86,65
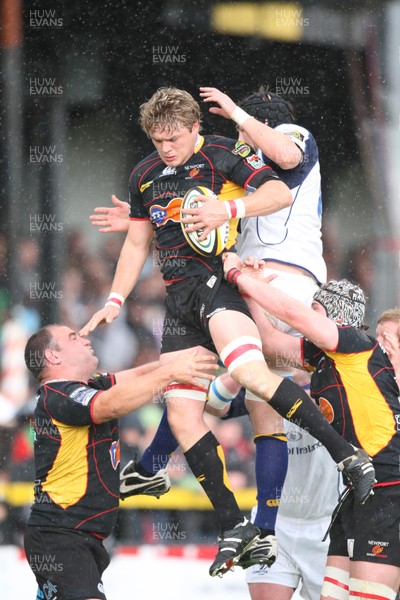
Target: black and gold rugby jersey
x,y
356,390
76,460
227,167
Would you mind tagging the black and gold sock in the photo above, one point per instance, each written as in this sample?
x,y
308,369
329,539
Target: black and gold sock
x,y
292,403
207,461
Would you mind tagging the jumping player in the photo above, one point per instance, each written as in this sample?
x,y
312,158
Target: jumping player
x,y
205,311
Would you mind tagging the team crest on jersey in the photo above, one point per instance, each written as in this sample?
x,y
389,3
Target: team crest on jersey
x,y
327,409
241,149
115,454
159,215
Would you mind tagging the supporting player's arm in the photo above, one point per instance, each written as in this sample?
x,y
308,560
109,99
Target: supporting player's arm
x,y
273,195
130,263
315,326
135,391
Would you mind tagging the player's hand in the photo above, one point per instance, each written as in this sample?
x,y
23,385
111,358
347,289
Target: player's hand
x,y
231,261
207,217
188,366
226,104
390,342
103,316
112,219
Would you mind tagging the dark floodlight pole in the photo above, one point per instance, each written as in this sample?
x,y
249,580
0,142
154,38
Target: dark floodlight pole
x,y
12,130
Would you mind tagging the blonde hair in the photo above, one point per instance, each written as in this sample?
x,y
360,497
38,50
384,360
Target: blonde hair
x,y
393,314
169,108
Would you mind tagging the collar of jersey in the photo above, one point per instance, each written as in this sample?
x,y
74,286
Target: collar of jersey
x,y
199,143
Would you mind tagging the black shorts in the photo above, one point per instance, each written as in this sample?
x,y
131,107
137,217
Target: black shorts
x,y
189,306
369,532
67,564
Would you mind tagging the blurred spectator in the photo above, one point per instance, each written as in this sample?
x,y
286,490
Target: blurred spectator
x,y
28,272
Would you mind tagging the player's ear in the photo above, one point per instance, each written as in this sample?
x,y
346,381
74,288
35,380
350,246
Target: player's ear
x,y
52,356
196,127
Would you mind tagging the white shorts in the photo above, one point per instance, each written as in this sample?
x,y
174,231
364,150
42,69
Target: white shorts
x,y
301,557
300,287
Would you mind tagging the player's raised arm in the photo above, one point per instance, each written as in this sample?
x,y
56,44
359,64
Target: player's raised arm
x,y
274,144
130,263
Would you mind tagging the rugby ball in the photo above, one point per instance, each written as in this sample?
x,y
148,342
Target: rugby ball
x,y
216,241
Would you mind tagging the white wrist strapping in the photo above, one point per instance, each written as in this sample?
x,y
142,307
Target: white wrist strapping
x,y
236,209
115,299
240,116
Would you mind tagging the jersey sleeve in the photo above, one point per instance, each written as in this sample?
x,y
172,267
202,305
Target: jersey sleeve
x,y
297,134
137,210
310,354
353,340
240,163
72,403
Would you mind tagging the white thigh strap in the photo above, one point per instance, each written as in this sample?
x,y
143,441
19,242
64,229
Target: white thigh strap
x,y
359,589
336,584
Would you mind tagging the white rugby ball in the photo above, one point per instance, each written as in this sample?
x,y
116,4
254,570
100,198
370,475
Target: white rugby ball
x,y
216,241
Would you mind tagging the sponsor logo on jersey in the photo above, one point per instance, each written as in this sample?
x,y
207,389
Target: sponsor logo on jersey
x,y
378,548
296,134
241,149
76,392
159,215
194,172
83,395
168,171
190,167
115,454
255,161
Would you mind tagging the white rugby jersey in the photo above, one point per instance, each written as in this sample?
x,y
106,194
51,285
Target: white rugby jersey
x,y
292,235
312,484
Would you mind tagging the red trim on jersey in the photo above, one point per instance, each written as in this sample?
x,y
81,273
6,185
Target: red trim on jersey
x,y
141,164
104,512
386,483
146,171
98,471
139,218
239,351
255,173
91,405
213,169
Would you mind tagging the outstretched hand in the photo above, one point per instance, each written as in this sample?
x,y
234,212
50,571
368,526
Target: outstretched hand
x,y
101,317
226,104
188,366
112,219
